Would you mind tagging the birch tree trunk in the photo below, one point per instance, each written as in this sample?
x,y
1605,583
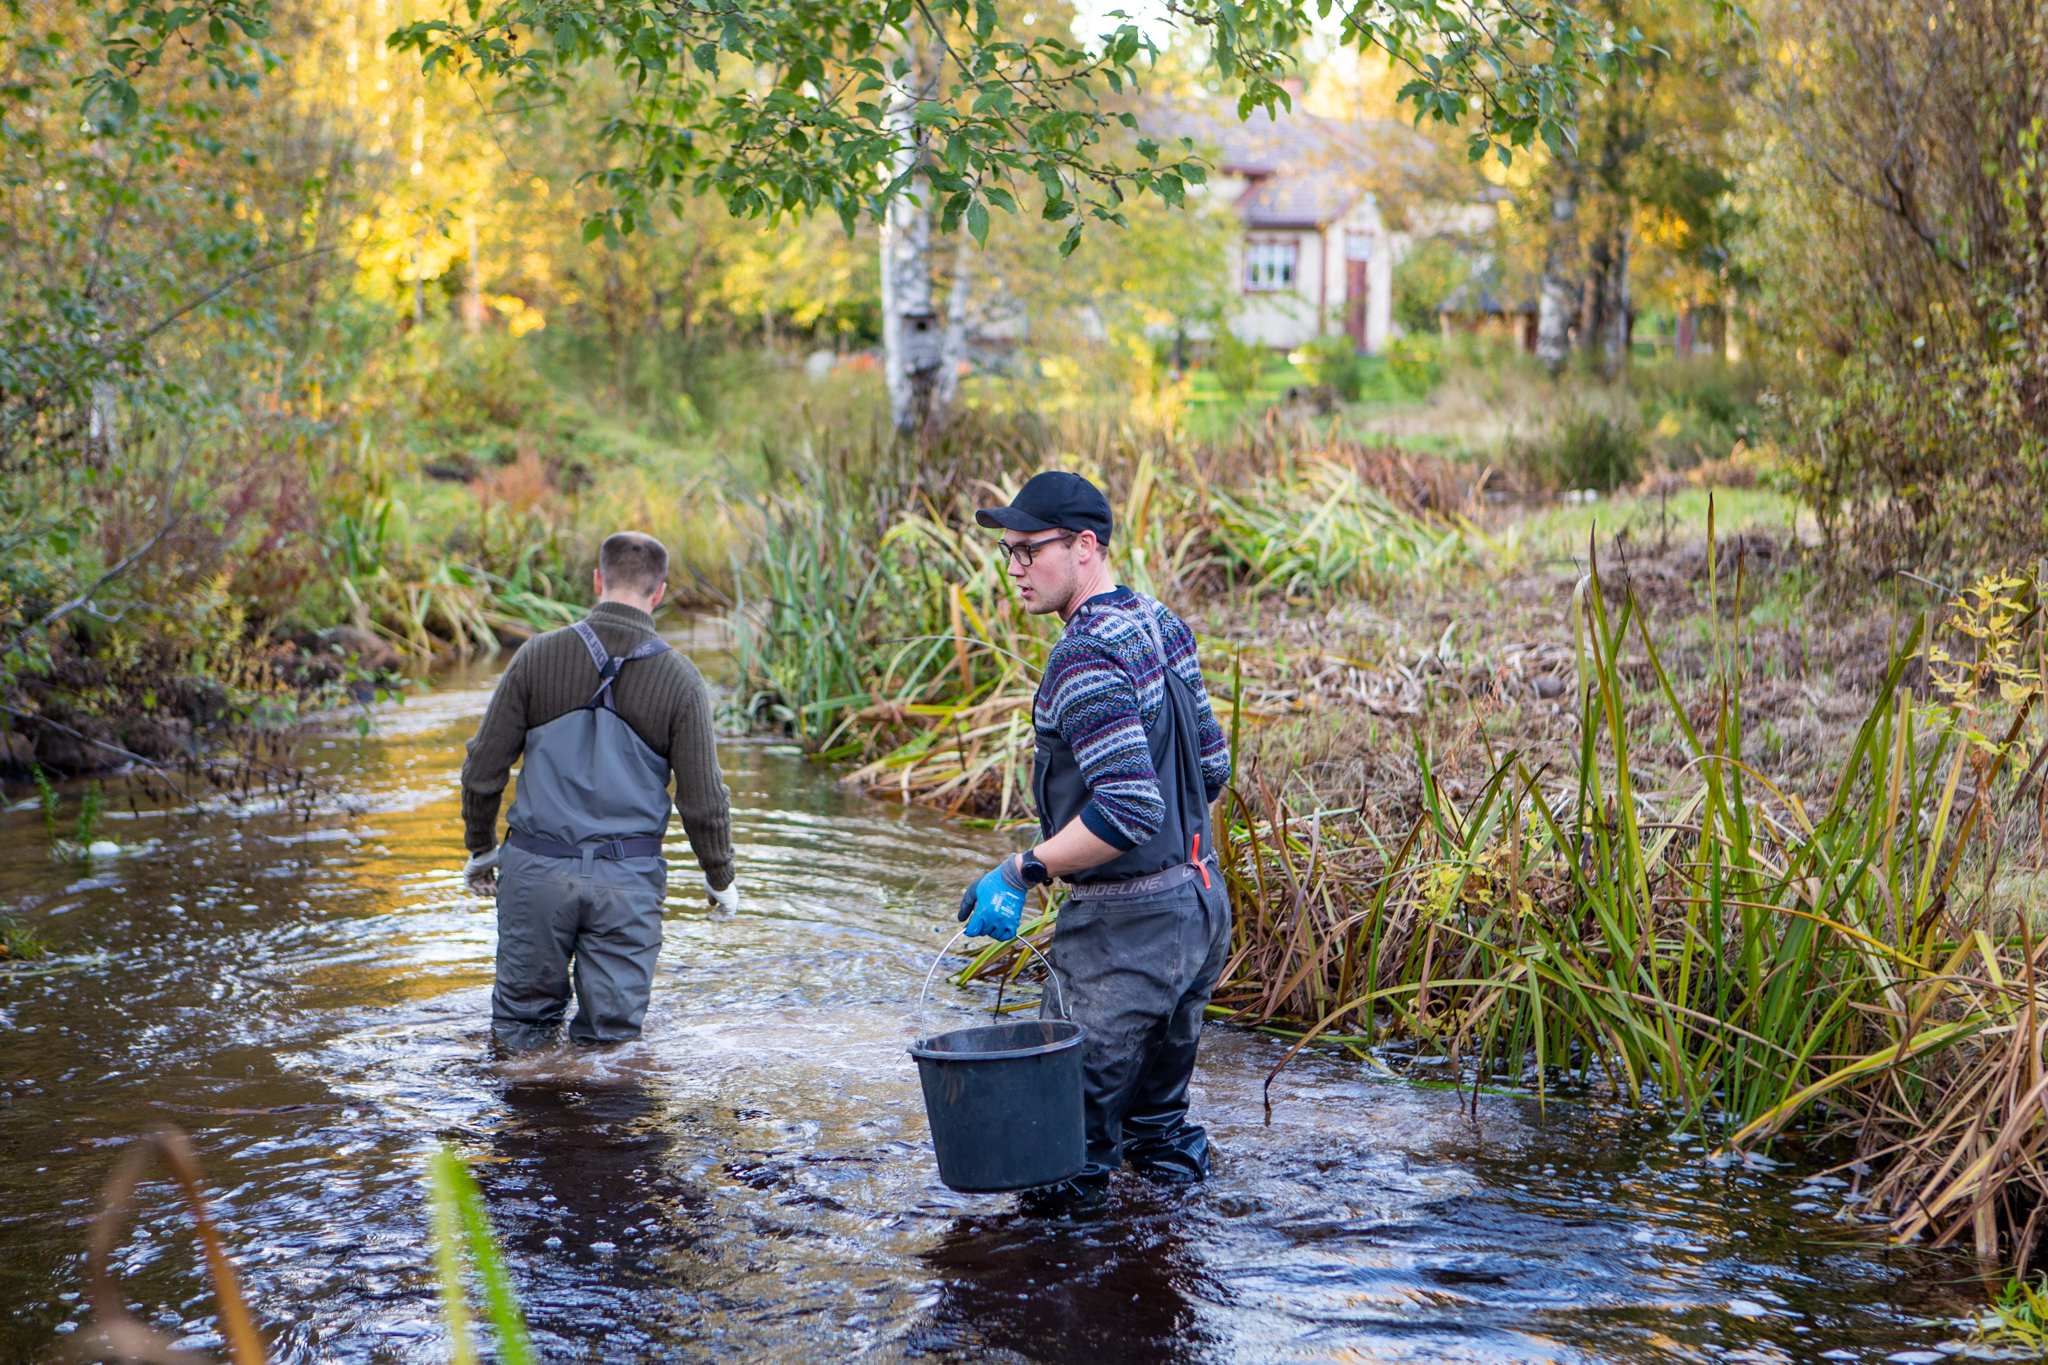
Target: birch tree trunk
x,y
911,358
1559,290
1614,335
953,354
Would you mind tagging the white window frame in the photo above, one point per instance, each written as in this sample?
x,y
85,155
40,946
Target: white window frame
x,y
1271,265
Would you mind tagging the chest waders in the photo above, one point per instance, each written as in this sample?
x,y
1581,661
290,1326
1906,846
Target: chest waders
x,y
581,876
1139,946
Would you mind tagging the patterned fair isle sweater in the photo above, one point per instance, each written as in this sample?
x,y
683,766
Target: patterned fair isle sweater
x,y
1102,691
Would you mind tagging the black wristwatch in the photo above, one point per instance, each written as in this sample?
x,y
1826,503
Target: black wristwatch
x,y
1035,873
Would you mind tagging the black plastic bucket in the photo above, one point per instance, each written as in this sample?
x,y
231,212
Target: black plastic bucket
x,y
1004,1102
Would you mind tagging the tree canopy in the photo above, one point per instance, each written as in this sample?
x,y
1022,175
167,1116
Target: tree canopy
x,y
798,106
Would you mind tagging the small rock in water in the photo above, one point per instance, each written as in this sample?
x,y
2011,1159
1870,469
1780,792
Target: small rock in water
x,y
103,848
552,1243
604,1246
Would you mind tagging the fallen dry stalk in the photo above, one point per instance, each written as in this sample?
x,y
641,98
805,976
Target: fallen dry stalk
x,y
113,1333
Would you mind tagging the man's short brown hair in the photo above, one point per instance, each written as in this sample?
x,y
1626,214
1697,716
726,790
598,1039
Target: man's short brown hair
x,y
633,562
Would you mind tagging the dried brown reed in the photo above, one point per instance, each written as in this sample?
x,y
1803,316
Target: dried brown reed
x,y
113,1333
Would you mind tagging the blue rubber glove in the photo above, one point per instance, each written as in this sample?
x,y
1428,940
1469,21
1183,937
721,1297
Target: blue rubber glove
x,y
995,903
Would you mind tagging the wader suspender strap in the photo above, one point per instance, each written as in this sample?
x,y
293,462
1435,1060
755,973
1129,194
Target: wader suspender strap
x,y
1151,624
608,667
638,846
1148,617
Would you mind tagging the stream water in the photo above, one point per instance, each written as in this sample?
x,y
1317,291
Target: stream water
x,y
753,1181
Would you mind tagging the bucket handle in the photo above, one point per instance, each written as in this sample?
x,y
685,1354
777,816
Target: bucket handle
x,y
1050,975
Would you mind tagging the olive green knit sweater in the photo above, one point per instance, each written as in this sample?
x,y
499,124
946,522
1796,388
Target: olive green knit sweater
x,y
663,698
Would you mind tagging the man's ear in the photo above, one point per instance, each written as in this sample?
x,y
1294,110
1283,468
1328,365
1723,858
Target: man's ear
x,y
660,590
597,582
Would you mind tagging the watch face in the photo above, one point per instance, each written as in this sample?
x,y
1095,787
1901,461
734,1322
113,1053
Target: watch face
x,y
1034,871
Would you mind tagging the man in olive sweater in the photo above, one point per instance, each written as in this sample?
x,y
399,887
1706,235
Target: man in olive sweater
x,y
603,712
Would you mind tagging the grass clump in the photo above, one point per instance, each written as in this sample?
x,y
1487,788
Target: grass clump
x,y
84,830
18,943
2019,1316
464,1244
1720,950
1323,528
1587,447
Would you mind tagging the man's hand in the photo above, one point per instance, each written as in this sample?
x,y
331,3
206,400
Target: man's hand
x,y
995,903
481,874
724,904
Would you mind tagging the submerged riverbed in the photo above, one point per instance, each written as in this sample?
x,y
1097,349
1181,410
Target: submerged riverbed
x,y
753,1181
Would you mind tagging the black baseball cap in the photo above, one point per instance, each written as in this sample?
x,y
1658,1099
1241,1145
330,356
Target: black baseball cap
x,y
1052,501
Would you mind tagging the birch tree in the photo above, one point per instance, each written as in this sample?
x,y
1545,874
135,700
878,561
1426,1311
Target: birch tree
x,y
911,344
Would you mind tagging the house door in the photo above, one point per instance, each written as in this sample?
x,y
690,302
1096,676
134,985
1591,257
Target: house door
x,y
1357,293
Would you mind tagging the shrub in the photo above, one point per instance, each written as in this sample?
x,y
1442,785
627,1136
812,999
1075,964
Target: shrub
x,y
1239,364
1586,449
1332,359
1697,411
1424,277
1415,365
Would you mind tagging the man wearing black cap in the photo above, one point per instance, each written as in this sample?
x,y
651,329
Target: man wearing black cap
x,y
1129,759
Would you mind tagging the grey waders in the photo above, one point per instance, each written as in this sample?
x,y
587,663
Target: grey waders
x,y
1138,948
581,877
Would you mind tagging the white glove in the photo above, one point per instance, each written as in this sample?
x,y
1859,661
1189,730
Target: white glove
x,y
724,904
481,873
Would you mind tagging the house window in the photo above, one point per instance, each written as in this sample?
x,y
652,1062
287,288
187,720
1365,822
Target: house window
x,y
1269,266
1358,246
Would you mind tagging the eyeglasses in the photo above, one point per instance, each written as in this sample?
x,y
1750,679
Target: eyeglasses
x,y
1024,551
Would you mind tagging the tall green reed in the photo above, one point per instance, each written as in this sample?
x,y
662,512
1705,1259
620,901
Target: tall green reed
x,y
1720,949
1721,945
464,1243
